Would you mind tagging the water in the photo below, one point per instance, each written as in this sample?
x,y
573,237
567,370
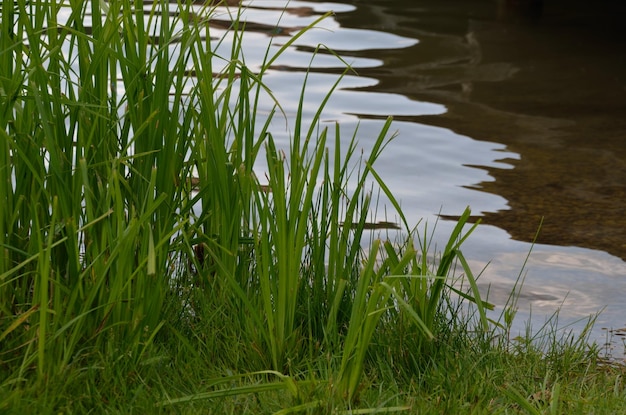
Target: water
x,y
519,112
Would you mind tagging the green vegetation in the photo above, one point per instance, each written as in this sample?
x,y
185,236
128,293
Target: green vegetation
x,y
145,268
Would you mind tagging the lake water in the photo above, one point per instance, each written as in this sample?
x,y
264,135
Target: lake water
x,y
517,111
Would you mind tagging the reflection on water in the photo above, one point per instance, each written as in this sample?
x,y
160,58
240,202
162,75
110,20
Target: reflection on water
x,y
549,83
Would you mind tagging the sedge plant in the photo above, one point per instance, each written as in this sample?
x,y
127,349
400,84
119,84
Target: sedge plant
x,y
127,159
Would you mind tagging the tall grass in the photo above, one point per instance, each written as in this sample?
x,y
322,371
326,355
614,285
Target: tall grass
x,y
128,186
91,180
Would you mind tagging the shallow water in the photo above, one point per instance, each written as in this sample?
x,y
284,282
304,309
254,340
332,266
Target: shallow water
x,y
518,112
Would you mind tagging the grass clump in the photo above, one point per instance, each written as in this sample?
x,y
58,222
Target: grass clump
x,y
144,266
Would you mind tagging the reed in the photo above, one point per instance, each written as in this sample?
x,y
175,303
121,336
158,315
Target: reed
x,y
100,205
134,230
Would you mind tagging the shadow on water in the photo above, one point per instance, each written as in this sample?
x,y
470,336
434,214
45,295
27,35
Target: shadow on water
x,y
548,81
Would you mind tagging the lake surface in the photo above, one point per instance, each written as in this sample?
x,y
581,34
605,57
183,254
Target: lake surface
x,y
517,111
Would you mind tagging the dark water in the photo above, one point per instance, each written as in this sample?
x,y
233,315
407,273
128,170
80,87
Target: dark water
x,y
548,82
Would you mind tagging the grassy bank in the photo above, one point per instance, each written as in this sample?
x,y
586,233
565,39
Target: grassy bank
x,y
146,268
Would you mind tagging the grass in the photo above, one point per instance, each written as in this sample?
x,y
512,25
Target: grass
x,y
145,266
